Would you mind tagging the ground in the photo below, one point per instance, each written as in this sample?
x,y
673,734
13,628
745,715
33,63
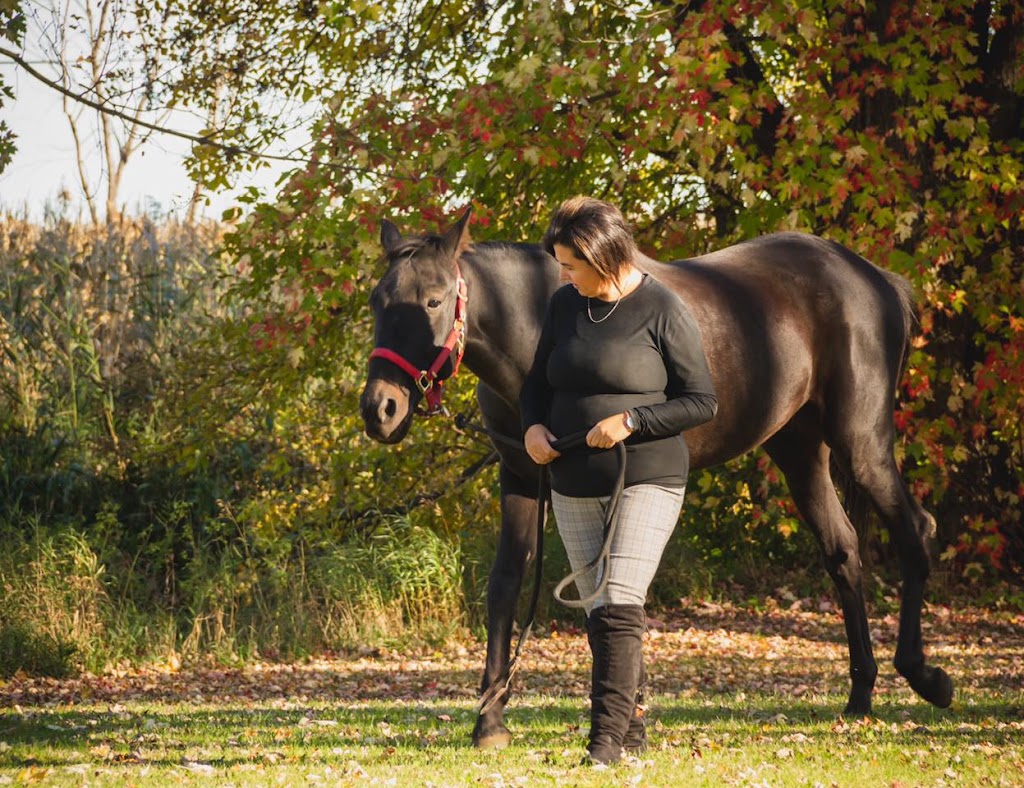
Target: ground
x,y
741,695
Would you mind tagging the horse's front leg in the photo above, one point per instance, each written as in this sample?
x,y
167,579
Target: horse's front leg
x,y
516,544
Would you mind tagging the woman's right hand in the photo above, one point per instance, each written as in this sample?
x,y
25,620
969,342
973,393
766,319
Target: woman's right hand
x,y
538,440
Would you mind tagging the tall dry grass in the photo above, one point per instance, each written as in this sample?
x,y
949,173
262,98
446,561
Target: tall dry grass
x,y
153,499
91,321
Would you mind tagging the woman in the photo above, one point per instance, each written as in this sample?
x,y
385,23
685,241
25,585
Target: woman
x,y
622,353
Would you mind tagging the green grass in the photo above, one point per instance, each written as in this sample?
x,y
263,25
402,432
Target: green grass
x,y
765,740
741,696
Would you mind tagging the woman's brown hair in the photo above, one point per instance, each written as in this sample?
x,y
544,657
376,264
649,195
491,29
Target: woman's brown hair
x,y
597,233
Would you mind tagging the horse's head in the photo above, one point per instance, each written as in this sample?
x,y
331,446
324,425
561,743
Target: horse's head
x,y
414,307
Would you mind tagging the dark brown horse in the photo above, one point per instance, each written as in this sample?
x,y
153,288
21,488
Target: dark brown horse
x,y
806,342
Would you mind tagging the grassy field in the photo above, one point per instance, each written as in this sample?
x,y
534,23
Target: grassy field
x,y
741,697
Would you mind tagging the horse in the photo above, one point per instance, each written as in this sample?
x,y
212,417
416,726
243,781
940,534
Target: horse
x,y
806,342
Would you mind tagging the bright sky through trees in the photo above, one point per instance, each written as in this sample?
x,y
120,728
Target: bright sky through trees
x,y
44,165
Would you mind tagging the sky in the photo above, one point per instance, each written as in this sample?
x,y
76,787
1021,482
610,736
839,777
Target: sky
x,y
155,180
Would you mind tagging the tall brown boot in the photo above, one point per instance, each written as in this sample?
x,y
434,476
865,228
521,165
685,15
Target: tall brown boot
x,y
635,741
615,633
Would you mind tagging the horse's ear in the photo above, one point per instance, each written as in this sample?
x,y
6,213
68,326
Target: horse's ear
x,y
457,237
389,235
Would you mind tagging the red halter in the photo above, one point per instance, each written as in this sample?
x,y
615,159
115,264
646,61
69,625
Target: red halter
x,y
426,380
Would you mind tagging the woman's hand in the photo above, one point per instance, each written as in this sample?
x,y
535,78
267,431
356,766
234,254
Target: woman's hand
x,y
607,432
538,440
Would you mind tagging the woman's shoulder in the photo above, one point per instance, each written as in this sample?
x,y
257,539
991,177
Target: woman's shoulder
x,y
566,295
662,301
656,291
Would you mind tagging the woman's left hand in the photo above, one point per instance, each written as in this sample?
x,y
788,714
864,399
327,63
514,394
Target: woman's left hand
x,y
607,432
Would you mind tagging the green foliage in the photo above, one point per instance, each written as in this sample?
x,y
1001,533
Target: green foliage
x,y
190,420
25,651
172,484
56,594
893,129
737,521
12,30
379,588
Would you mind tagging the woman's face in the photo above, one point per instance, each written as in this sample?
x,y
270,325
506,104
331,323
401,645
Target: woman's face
x,y
581,275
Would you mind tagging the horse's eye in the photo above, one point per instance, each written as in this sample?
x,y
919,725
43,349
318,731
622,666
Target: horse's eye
x,y
434,303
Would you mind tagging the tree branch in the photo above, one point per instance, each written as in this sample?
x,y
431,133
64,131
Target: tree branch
x,y
365,520
998,57
749,71
60,46
231,150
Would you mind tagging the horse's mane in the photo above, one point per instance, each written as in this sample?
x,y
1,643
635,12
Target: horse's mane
x,y
412,244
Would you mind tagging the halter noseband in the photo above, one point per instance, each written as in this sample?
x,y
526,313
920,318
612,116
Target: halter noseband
x,y
426,380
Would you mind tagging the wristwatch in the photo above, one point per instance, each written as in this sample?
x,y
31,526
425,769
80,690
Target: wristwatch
x,y
627,419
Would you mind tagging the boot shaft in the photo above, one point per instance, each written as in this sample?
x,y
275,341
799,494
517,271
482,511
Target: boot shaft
x,y
615,633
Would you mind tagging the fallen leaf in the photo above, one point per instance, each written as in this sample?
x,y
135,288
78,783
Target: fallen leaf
x,y
195,766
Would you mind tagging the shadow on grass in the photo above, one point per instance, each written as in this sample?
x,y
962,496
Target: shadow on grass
x,y
335,731
742,690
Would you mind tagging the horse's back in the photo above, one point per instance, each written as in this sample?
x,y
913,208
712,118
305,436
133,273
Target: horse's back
x,y
845,300
787,320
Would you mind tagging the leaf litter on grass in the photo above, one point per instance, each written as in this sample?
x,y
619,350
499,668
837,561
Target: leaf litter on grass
x,y
740,696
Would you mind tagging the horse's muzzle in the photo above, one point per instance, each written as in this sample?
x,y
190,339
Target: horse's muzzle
x,y
386,411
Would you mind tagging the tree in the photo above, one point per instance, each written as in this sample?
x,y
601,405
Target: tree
x,y
12,28
111,80
117,91
893,127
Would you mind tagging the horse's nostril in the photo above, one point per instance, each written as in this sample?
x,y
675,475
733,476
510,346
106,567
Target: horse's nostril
x,y
390,408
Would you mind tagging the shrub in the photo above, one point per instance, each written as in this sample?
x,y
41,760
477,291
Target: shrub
x,y
25,650
400,584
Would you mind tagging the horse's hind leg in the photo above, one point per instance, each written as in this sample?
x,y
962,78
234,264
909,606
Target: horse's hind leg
x,y
867,454
800,451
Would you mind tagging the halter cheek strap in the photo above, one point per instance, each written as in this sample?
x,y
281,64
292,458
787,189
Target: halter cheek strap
x,y
426,380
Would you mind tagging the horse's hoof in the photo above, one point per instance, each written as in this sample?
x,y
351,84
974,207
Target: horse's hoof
x,y
937,688
498,740
861,688
933,684
857,707
490,737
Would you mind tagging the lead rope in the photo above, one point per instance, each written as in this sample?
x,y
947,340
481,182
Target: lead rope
x,y
500,686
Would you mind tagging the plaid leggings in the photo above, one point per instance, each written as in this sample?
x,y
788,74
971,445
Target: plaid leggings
x,y
647,515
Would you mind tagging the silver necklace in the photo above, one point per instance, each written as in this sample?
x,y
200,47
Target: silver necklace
x,y
591,316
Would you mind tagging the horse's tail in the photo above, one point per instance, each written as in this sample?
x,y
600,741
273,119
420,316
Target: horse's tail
x,y
908,312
